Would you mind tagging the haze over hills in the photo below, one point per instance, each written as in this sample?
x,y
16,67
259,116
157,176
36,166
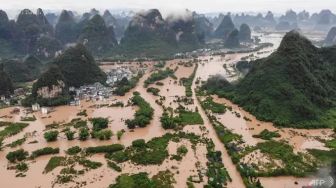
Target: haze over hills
x,y
331,37
148,30
53,32
295,86
97,36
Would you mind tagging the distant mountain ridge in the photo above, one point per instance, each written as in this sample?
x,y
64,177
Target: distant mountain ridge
x,y
46,35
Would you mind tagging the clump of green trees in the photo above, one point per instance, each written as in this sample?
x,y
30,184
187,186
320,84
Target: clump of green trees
x,y
51,136
159,75
267,135
124,85
143,115
18,155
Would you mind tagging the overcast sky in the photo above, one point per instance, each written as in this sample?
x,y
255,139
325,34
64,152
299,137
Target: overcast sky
x,y
203,6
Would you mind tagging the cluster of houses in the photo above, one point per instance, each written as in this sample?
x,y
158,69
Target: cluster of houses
x,y
193,54
18,94
4,100
95,92
115,75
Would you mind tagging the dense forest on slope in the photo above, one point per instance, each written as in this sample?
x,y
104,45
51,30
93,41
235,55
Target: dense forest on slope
x,y
147,34
97,37
6,87
74,67
295,86
24,70
79,67
53,77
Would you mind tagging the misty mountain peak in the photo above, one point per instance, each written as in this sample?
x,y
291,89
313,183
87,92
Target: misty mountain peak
x,y
26,16
331,37
65,16
293,41
3,17
150,18
225,27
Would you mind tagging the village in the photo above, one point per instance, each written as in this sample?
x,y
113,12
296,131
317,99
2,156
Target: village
x,y
91,92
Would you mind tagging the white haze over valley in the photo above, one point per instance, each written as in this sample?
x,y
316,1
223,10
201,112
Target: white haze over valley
x,y
168,6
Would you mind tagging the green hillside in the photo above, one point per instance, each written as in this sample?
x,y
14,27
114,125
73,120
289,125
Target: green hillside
x,y
295,86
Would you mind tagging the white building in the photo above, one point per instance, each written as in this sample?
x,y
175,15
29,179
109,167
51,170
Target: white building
x,y
45,110
35,107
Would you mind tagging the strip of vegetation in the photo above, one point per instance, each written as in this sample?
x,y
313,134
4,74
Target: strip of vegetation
x,y
159,83
331,144
44,151
102,134
54,162
117,104
90,164
187,82
214,107
104,149
28,118
230,140
267,135
159,75
190,118
143,115
153,90
113,166
125,85
164,179
154,152
79,124
4,123
217,174
17,142
74,150
324,156
294,164
185,117
12,129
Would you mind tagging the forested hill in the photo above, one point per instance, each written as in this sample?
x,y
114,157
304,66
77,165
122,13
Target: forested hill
x,y
295,86
6,86
79,67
